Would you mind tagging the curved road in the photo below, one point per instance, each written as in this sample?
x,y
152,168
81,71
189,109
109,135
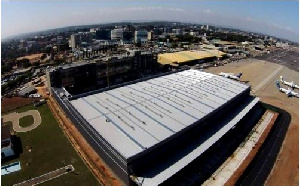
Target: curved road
x,y
15,119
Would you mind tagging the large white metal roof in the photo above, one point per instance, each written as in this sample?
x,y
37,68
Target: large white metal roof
x,y
138,116
156,178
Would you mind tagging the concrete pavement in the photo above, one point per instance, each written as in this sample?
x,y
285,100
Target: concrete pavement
x,y
15,119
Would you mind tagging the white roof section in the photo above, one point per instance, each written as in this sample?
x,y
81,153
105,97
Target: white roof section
x,y
174,168
136,117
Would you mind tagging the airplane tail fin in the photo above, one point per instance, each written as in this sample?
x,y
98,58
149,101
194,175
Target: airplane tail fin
x,y
281,78
277,84
239,75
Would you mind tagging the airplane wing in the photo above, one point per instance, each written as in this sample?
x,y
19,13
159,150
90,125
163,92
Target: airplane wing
x,y
295,94
225,73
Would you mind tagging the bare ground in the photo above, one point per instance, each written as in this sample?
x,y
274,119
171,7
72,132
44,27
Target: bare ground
x,y
10,104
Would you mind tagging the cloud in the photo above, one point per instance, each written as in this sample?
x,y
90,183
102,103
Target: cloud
x,y
153,8
250,19
207,11
97,14
268,25
281,27
77,13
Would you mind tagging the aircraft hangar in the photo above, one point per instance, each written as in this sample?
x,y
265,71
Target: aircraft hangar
x,y
149,130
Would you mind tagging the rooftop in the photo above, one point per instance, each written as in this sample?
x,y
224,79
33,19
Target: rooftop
x,y
157,176
215,41
26,90
187,56
139,116
5,132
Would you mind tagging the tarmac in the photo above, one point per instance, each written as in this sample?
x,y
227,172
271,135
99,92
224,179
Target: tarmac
x,y
262,75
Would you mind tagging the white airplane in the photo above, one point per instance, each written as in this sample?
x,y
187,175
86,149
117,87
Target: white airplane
x,y
291,84
288,92
231,75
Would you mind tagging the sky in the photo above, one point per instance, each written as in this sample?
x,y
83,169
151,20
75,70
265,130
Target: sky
x,y
277,18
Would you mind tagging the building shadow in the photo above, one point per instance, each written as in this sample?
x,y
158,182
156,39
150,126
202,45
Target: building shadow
x,y
261,166
17,147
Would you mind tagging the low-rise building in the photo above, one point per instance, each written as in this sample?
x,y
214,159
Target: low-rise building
x,y
7,149
25,91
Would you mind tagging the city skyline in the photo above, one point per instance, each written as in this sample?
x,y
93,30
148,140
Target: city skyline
x,y
278,19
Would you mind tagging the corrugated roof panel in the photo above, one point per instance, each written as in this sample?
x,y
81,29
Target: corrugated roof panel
x,y
163,175
186,56
175,111
137,134
157,130
117,139
145,113
82,107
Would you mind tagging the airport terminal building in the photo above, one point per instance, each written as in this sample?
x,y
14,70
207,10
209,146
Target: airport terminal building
x,y
150,129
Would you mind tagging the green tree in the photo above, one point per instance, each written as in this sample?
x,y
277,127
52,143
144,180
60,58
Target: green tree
x,y
24,63
43,56
36,64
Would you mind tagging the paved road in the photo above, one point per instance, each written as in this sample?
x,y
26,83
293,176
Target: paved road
x,y
15,119
261,166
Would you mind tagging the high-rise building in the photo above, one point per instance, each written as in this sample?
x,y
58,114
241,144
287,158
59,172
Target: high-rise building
x,y
140,36
194,33
103,34
167,30
87,36
74,41
150,35
177,31
206,27
117,34
127,36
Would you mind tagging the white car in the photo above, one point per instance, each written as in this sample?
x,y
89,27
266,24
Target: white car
x,y
34,96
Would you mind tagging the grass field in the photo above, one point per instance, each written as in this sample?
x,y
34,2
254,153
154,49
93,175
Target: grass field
x,y
8,123
26,121
50,150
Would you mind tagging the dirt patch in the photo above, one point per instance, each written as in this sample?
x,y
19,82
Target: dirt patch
x,y
10,104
